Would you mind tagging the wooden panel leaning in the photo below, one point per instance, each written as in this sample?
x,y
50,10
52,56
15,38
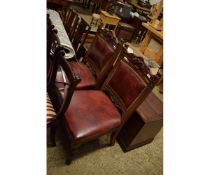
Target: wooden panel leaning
x,y
143,125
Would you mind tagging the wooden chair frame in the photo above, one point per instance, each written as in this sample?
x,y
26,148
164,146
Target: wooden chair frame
x,y
141,70
115,44
60,102
81,33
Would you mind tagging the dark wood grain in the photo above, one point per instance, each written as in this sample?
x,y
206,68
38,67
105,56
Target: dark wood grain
x,y
143,125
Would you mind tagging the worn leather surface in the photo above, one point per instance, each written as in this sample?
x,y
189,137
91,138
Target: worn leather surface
x,y
126,83
59,80
91,113
87,79
100,52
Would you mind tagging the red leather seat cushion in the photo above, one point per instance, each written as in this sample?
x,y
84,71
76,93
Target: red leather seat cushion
x,y
88,81
91,113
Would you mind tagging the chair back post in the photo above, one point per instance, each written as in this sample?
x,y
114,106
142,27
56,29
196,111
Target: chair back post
x,y
53,43
81,33
109,65
71,83
71,23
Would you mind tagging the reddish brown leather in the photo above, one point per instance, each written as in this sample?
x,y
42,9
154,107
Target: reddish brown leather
x,y
59,80
100,52
85,120
126,83
87,79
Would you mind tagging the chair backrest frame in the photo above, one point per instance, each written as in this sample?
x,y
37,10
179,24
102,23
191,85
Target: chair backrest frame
x,y
80,34
62,101
71,23
112,42
141,72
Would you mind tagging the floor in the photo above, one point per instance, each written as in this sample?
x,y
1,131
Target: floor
x,y
96,158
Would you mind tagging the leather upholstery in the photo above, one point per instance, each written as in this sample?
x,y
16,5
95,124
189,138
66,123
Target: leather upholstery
x,y
126,83
59,81
100,53
87,79
85,120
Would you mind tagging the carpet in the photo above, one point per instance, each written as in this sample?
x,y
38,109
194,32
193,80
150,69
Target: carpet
x,y
95,158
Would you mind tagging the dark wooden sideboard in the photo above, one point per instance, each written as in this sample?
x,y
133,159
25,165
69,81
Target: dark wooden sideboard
x,y
143,125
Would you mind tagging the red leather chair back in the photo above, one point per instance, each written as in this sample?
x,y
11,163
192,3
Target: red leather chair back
x,y
126,83
102,54
129,83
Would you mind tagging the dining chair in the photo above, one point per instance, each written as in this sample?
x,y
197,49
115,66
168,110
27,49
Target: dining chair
x,y
96,5
53,42
71,21
98,61
93,113
80,35
57,103
140,31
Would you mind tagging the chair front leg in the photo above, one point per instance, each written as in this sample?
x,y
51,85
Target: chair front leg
x,y
72,152
113,136
52,134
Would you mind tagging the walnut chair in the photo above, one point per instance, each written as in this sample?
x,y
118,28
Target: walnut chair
x,y
93,113
80,35
140,31
71,20
53,42
57,103
98,61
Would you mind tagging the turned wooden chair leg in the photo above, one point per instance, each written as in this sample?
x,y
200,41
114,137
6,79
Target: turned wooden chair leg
x,y
69,160
73,151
